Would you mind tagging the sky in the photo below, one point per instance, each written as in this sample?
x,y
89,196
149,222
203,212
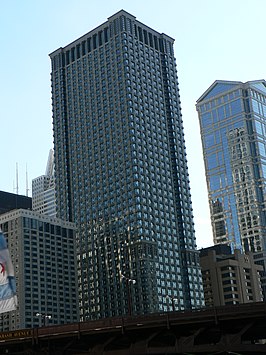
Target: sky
x,y
214,40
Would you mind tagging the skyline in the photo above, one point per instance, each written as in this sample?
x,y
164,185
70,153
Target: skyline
x,y
31,31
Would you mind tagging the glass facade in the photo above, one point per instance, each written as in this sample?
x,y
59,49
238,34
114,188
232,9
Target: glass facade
x,y
121,170
232,119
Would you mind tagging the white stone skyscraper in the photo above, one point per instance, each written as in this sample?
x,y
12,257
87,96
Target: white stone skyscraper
x,y
43,190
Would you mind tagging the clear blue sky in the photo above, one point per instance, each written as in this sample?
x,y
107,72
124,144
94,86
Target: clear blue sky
x,y
213,40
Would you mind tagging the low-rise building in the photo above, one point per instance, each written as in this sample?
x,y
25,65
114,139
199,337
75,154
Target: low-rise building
x,y
9,202
42,250
229,278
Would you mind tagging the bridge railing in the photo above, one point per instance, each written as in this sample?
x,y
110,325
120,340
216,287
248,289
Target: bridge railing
x,y
207,315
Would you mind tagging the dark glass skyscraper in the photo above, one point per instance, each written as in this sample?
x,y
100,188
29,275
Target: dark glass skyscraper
x,y
121,170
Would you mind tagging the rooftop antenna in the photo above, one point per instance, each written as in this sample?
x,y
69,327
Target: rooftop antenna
x,y
17,178
27,185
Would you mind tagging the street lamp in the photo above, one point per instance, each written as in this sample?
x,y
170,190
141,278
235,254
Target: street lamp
x,y
128,282
44,318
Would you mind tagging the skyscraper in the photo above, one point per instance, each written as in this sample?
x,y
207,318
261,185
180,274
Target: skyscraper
x,y
121,170
232,119
43,190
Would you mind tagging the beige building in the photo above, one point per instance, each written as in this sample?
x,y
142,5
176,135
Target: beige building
x,y
229,278
42,249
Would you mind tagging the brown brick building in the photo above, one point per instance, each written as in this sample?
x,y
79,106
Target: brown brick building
x,y
229,278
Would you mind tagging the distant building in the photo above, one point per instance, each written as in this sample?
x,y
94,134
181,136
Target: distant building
x,y
229,278
9,202
232,118
260,259
43,190
121,170
42,250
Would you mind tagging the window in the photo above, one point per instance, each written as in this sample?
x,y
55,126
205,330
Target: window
x,y
236,107
209,140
